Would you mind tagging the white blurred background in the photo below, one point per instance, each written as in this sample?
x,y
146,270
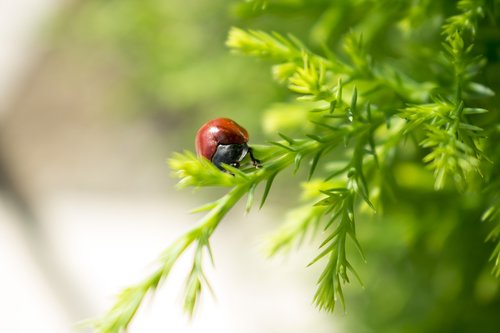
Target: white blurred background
x,y
87,204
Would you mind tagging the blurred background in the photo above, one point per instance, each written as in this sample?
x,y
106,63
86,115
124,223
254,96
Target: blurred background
x,y
96,95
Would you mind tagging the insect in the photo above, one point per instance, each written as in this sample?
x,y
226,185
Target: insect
x,y
222,140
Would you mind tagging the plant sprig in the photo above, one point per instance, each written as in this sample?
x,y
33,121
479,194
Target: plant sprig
x,y
362,110
196,172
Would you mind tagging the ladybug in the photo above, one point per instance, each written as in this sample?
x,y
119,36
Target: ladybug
x,y
222,140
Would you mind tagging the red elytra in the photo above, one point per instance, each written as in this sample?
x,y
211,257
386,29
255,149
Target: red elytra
x,y
219,131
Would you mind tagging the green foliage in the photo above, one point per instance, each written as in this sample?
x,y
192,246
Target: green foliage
x,y
492,215
379,117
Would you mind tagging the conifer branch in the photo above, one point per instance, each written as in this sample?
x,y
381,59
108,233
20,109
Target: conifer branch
x,y
363,108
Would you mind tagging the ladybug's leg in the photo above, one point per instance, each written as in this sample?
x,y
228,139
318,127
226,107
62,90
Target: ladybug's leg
x,y
255,162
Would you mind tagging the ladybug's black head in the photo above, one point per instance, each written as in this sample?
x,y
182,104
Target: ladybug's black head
x,y
231,154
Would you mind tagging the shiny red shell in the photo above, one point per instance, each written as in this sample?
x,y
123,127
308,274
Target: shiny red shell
x,y
218,131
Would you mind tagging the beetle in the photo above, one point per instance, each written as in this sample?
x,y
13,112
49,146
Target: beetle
x,y
222,140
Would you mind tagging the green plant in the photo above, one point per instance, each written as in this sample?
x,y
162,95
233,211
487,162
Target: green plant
x,y
371,111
